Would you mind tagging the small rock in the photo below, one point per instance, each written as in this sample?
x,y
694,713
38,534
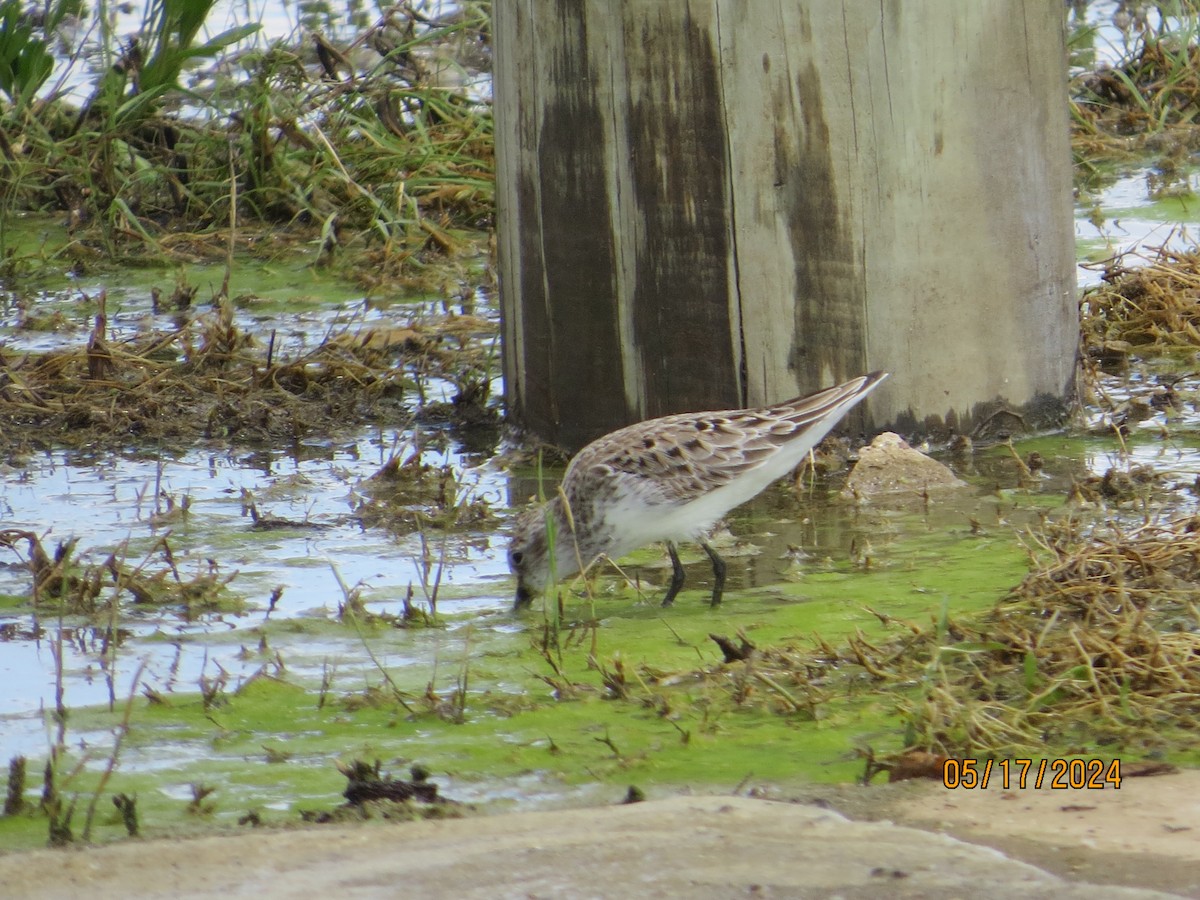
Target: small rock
x,y
890,466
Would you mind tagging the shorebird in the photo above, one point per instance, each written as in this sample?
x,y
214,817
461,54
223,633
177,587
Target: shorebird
x,y
670,480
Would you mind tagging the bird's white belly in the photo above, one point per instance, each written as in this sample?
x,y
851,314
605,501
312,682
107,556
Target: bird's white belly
x,y
636,523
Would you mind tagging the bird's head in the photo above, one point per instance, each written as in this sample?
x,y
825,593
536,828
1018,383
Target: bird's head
x,y
529,553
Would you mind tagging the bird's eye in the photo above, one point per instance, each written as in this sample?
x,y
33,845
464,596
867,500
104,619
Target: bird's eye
x,y
516,557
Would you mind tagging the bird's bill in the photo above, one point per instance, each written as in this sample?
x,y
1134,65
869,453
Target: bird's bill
x,y
524,596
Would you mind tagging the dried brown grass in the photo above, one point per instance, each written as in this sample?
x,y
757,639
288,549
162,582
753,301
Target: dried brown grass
x,y
62,582
1144,301
1147,102
1097,650
207,379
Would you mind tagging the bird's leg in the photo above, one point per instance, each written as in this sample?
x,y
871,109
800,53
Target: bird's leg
x,y
718,565
676,575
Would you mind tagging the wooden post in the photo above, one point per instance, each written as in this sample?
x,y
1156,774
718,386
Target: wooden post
x,y
723,203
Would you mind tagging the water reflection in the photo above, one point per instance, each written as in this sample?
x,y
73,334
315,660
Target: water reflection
x,y
118,502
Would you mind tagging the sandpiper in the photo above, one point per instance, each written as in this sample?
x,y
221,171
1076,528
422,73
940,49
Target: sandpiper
x,y
669,479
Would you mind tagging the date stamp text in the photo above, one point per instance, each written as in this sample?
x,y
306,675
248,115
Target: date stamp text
x,y
1057,774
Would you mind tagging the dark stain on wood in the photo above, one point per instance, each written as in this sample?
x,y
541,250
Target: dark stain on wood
x,y
535,403
577,254
620,209
830,317
681,183
989,422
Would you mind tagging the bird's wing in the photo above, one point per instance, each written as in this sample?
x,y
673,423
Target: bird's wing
x,y
678,458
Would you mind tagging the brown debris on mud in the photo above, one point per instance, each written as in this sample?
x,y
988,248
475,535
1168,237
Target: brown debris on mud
x,y
1096,647
1096,651
372,794
206,379
1147,305
62,582
1144,302
1144,102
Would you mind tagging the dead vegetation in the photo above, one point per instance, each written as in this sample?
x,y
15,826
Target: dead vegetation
x,y
379,147
63,583
1097,650
207,379
409,494
373,794
1147,101
1147,305
1099,646
1144,301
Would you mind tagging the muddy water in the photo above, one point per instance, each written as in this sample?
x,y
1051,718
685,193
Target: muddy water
x,y
127,502
111,503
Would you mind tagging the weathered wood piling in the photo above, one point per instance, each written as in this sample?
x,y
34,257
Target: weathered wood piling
x,y
721,203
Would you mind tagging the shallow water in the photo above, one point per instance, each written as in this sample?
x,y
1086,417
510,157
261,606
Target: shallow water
x,y
110,503
118,502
